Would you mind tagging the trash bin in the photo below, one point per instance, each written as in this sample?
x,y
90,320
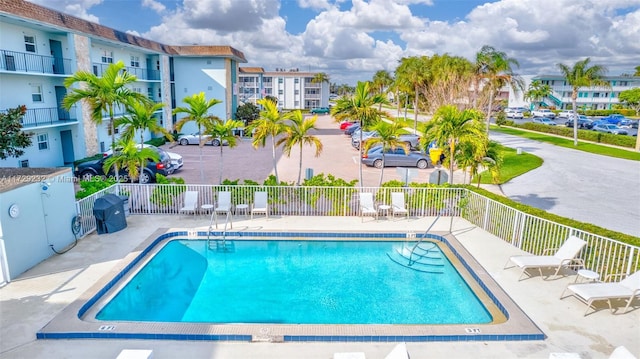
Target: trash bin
x,y
125,204
109,213
308,173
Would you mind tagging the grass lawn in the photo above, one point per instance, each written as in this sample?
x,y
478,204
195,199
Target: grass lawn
x,y
568,143
513,166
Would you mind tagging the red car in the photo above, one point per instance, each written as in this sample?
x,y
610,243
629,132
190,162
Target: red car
x,y
345,124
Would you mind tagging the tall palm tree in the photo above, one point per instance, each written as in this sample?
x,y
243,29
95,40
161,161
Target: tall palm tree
x,y
480,155
224,131
141,118
496,68
411,75
381,82
102,94
388,138
581,75
297,133
449,127
320,78
130,157
197,111
537,91
269,124
360,107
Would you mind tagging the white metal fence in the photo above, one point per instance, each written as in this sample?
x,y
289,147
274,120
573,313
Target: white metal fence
x,y
530,233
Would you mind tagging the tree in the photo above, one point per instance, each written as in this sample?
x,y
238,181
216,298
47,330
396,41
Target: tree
x,y
360,107
411,76
197,111
103,94
496,68
537,91
247,113
320,78
13,139
581,75
631,98
449,127
388,138
269,124
297,133
224,131
480,155
381,82
131,158
141,117
637,73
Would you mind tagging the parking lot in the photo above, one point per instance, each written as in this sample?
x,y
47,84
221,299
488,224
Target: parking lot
x,y
561,122
338,158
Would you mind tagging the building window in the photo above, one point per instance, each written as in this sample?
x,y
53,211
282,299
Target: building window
x,y
24,163
297,92
280,92
297,81
36,93
30,43
135,61
43,141
107,57
280,80
596,94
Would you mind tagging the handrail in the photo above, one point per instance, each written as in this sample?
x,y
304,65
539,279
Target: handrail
x,y
423,237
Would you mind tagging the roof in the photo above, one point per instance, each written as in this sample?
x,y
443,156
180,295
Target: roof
x,y
204,50
11,178
255,70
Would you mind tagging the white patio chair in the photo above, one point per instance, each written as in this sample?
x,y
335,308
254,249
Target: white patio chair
x,y
260,204
190,203
367,207
397,204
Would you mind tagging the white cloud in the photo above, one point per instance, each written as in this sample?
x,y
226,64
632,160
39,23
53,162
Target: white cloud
x,y
77,8
154,5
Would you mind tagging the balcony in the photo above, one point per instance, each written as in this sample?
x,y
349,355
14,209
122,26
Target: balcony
x,y
51,116
28,62
139,72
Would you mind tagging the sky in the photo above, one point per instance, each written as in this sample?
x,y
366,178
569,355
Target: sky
x,y
350,40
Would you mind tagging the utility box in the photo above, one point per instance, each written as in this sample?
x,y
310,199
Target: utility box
x,y
308,173
109,213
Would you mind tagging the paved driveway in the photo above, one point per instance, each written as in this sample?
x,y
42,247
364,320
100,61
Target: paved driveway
x,y
590,188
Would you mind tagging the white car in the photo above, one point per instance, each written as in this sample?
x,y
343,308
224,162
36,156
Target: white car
x,y
543,112
514,113
566,114
176,159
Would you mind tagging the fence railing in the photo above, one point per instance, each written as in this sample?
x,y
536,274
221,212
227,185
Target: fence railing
x,y
529,233
139,72
35,117
28,62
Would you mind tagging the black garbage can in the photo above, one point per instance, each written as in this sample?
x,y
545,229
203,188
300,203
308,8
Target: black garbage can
x,y
109,213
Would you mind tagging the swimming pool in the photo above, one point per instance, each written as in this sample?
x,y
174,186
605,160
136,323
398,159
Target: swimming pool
x,y
78,320
309,281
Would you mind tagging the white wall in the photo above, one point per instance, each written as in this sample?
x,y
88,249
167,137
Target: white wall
x,y
44,220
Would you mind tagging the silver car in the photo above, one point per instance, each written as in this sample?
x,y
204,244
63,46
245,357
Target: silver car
x,y
194,138
395,157
609,128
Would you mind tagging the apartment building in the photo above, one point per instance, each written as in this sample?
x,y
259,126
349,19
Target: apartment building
x,y
294,89
40,48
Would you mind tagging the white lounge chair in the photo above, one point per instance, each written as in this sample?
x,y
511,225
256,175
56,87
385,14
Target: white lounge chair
x,y
565,256
190,203
367,207
397,204
398,352
260,203
627,289
223,205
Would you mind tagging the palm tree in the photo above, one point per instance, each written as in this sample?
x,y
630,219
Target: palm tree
x,y
269,124
102,94
360,107
320,78
141,118
297,133
449,127
581,75
130,157
537,91
381,82
388,138
198,112
223,131
476,155
411,75
495,67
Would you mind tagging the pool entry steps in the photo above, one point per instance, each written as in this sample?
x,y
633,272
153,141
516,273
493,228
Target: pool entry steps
x,y
425,257
222,244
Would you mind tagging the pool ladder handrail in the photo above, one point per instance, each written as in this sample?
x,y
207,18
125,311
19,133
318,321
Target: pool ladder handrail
x,y
425,234
227,220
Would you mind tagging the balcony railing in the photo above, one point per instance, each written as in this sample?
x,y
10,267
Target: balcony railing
x,y
36,117
139,72
28,62
527,232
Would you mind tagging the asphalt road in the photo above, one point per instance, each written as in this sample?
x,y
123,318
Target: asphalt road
x,y
589,188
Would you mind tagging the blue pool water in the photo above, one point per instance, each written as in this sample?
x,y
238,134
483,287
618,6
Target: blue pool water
x,y
292,282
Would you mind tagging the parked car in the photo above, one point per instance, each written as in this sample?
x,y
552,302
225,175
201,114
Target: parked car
x,y
176,159
320,110
609,128
543,112
628,123
412,140
345,124
87,170
565,114
583,122
351,129
395,157
514,113
544,121
194,139
614,119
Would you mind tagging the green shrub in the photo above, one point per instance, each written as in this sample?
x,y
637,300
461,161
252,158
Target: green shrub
x,y
158,141
587,135
96,184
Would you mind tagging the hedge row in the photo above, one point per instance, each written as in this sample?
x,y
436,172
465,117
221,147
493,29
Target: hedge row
x,y
587,135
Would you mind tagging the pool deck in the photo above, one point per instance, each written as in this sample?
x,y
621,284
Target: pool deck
x,y
31,301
